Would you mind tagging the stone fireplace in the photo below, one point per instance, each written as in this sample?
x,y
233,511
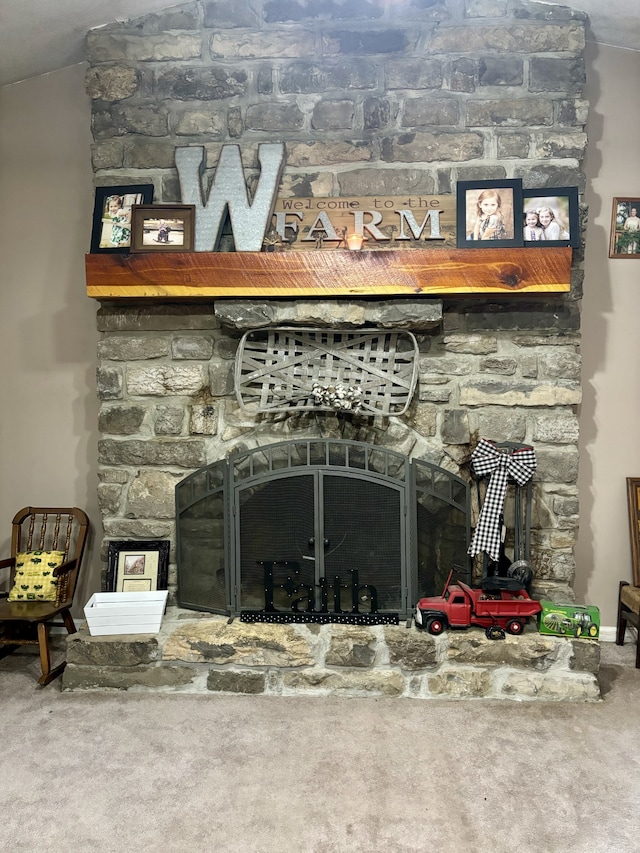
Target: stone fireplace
x,y
369,98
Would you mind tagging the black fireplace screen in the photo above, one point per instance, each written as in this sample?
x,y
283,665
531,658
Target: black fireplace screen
x,y
318,531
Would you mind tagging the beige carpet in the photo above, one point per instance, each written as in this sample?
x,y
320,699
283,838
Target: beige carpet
x,y
147,773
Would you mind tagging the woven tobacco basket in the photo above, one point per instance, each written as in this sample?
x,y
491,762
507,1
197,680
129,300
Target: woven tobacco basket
x,y
277,369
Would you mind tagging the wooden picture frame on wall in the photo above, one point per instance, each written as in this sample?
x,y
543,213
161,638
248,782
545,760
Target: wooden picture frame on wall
x,y
633,503
624,241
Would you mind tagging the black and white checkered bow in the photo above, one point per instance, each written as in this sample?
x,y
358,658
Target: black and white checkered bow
x,y
518,465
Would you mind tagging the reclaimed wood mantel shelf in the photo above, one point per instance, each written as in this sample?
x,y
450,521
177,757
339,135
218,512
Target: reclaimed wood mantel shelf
x,y
329,273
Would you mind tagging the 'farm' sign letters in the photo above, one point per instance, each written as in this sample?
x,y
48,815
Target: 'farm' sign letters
x,y
389,220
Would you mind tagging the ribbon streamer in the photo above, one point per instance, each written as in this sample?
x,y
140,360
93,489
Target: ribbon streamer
x,y
519,465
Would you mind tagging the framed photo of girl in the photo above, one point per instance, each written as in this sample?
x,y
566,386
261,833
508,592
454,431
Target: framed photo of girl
x,y
625,228
488,213
550,215
111,230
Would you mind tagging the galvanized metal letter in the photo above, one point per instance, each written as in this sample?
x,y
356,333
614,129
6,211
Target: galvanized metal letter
x,y
359,225
323,224
407,216
249,221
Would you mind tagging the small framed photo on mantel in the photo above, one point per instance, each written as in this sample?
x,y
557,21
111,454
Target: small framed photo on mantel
x,y
111,230
488,214
137,566
550,217
163,227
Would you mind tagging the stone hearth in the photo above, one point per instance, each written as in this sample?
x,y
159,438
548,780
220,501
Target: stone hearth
x,y
198,653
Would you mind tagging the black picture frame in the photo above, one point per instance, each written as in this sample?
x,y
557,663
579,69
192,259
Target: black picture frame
x,y
178,222
559,203
103,224
472,228
137,566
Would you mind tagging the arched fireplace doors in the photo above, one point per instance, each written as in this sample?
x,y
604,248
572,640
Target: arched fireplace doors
x,y
318,531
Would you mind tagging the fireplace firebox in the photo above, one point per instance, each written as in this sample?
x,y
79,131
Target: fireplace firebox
x,y
319,531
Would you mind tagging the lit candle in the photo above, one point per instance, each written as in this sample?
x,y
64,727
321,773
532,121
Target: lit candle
x,y
354,242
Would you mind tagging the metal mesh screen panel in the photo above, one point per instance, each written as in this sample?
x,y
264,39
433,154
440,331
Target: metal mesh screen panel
x,y
201,567
442,527
441,544
363,532
276,526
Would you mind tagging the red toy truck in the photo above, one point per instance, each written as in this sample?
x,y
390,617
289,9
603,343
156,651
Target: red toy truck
x,y
460,606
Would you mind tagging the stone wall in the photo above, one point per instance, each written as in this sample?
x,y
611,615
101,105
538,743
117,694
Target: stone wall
x,y
207,655
370,98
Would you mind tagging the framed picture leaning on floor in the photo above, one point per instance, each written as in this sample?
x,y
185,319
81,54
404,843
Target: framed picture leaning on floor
x,y
137,566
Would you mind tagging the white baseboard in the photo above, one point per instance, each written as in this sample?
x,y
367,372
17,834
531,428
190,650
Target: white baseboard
x,y
608,634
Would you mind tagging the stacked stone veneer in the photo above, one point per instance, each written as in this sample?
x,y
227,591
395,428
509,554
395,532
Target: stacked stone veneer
x,y
209,655
369,98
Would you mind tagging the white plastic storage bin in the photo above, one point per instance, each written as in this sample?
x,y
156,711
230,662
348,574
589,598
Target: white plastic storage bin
x,y
125,612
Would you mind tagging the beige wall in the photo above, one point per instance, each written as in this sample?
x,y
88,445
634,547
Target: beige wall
x,y
48,406
610,449
48,336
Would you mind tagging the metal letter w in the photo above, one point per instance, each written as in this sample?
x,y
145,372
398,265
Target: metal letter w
x,y
249,221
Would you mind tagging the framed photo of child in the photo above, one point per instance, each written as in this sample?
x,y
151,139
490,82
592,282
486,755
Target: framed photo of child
x,y
163,228
111,230
550,217
488,213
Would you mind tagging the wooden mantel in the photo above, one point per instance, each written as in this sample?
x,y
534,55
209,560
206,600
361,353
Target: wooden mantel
x,y
329,273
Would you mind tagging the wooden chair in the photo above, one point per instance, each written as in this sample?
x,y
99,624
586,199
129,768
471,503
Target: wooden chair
x,y
28,622
629,612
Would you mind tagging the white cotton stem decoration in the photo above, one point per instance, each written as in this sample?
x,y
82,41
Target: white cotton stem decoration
x,y
344,398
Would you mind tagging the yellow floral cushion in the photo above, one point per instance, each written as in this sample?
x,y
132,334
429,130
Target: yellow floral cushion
x,y
34,580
